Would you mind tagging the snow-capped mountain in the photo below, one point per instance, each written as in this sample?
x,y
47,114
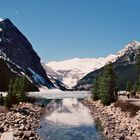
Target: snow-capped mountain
x,y
19,59
129,48
1,19
50,72
123,64
72,70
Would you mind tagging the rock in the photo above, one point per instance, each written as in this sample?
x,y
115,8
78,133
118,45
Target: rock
x,y
122,128
134,137
138,134
24,111
25,137
5,128
18,133
27,133
22,125
7,136
128,138
22,128
18,115
1,129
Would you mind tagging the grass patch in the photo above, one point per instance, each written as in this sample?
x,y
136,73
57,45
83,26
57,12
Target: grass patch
x,y
127,107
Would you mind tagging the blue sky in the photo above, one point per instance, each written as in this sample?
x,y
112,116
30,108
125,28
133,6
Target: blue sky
x,y
64,29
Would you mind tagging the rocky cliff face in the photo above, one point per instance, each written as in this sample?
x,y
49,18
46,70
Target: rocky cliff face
x,y
19,55
124,67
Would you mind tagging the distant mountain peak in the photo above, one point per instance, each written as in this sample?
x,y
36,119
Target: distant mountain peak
x,y
132,45
19,58
6,21
1,19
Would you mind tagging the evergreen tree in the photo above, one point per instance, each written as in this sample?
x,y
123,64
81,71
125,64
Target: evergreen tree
x,y
135,86
138,84
128,86
95,91
11,97
15,87
108,86
19,88
22,94
16,92
1,99
104,90
7,102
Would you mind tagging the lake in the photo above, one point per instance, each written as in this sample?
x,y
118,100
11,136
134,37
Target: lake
x,y
68,119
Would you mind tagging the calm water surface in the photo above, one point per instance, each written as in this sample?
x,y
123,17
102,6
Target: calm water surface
x,y
68,119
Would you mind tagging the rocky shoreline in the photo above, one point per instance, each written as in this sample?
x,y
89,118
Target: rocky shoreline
x,y
22,121
117,125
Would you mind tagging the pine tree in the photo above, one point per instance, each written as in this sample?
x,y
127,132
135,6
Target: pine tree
x,y
108,85
104,90
135,86
138,84
16,92
19,88
7,102
11,97
16,88
95,91
22,94
128,86
1,99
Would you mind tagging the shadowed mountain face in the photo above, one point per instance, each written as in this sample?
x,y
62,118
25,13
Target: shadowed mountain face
x,y
6,75
124,67
19,56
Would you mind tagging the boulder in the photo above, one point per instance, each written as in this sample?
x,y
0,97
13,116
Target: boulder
x,y
7,136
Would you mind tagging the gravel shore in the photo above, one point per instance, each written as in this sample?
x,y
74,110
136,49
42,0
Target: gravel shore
x,y
117,125
22,121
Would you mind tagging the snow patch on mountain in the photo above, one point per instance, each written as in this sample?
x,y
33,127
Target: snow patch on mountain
x,y
133,45
73,70
37,78
1,19
84,65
